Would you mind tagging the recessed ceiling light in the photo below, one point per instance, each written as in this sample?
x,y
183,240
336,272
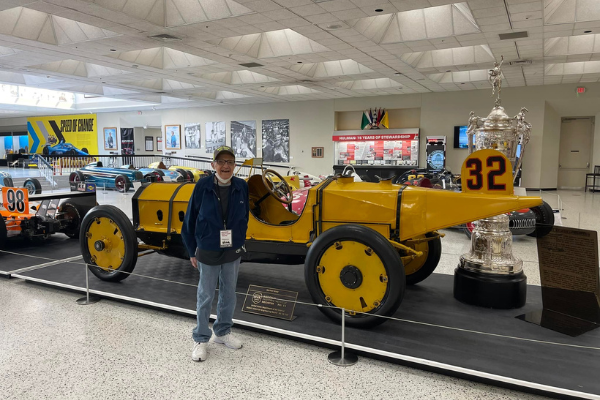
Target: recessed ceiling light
x,y
379,10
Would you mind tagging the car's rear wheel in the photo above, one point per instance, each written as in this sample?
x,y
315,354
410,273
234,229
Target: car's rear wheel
x,y
419,268
190,175
7,182
108,243
183,173
33,186
45,151
122,184
85,150
77,176
355,268
3,233
544,220
70,216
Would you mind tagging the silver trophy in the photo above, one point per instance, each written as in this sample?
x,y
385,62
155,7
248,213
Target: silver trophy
x,y
489,275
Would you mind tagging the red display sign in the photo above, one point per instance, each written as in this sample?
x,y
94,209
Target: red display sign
x,y
364,138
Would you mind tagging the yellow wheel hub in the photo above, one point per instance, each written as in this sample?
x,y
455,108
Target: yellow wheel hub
x,y
105,243
352,276
413,265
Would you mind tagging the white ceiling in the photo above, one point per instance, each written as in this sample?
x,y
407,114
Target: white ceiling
x,y
308,49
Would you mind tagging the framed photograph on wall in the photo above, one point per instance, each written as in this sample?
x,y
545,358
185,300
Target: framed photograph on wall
x,y
149,140
243,138
173,137
276,140
215,135
317,152
192,135
159,143
110,139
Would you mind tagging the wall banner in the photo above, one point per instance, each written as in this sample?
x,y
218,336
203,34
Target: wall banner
x,y
364,138
63,134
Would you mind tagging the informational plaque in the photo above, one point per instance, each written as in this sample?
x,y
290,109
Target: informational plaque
x,y
570,279
270,302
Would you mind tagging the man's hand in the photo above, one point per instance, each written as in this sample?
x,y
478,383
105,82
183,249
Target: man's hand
x,y
194,262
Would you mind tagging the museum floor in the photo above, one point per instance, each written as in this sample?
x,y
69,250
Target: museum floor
x,y
50,347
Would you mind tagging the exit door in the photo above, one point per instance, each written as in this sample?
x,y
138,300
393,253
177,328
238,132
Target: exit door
x,y
575,152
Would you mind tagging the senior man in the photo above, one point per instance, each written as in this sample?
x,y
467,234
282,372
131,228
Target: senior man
x,y
214,232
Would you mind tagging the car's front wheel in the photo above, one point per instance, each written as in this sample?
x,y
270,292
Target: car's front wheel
x,y
419,268
33,186
355,268
122,184
108,243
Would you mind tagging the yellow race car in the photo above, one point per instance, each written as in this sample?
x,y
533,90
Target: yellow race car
x,y
360,242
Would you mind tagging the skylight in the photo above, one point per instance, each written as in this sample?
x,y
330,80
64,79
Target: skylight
x,y
426,23
574,68
331,68
460,76
449,57
564,46
569,11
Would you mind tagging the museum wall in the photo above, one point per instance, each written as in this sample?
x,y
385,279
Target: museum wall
x,y
312,123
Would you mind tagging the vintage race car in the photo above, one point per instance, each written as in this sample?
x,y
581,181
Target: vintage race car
x,y
190,174
157,175
32,185
63,148
120,179
53,213
360,242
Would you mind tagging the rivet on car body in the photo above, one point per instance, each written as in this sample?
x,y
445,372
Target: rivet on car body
x,y
376,304
328,299
351,312
383,278
368,251
338,246
319,269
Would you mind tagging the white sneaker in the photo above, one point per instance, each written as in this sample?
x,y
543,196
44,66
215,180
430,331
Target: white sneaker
x,y
229,341
200,352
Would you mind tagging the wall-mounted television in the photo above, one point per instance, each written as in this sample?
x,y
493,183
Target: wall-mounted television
x,y
460,137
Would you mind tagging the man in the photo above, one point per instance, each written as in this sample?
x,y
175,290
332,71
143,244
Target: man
x,y
214,232
173,140
110,141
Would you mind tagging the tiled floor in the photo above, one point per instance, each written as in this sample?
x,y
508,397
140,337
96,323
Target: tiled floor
x,y
50,347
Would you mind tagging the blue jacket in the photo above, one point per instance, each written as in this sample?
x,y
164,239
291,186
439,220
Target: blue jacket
x,y
203,222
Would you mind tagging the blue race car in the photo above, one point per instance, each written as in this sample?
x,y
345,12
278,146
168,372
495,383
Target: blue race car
x,y
32,185
120,179
159,174
63,148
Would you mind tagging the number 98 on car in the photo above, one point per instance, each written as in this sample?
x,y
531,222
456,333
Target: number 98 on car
x,y
15,200
487,171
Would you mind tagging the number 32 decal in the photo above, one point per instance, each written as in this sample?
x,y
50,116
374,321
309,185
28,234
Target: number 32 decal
x,y
475,170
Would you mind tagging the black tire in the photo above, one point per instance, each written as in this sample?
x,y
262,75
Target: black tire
x,y
45,151
70,219
85,150
183,173
190,175
159,172
114,217
389,262
3,233
122,183
432,258
71,152
544,220
33,186
76,176
8,182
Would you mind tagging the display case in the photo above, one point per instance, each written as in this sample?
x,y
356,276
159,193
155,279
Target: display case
x,y
391,147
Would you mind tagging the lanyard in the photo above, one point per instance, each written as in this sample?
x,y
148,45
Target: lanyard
x,y
223,212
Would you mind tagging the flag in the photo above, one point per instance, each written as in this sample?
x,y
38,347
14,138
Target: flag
x,y
365,121
384,120
379,117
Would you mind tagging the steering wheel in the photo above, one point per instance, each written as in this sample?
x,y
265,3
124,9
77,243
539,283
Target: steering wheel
x,y
279,189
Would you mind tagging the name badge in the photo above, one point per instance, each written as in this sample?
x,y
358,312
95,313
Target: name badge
x,y
226,238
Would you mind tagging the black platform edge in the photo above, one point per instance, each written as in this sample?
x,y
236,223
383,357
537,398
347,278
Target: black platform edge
x,y
490,291
408,361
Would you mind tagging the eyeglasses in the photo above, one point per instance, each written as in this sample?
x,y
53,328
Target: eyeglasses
x,y
228,162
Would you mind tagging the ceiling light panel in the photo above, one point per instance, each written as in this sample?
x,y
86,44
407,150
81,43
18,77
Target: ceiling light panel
x,y
331,68
565,46
289,90
574,68
284,42
459,56
569,11
426,23
369,84
239,77
460,76
163,58
80,68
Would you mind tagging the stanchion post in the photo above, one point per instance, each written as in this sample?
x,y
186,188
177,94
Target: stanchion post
x,y
86,300
341,358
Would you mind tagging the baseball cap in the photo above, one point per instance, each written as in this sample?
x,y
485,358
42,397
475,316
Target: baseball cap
x,y
222,149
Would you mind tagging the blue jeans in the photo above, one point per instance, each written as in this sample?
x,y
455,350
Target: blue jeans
x,y
226,274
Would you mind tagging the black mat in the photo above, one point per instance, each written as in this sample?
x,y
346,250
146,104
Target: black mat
x,y
430,302
35,252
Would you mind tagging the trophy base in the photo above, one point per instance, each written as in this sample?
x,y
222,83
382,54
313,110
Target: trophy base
x,y
490,290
